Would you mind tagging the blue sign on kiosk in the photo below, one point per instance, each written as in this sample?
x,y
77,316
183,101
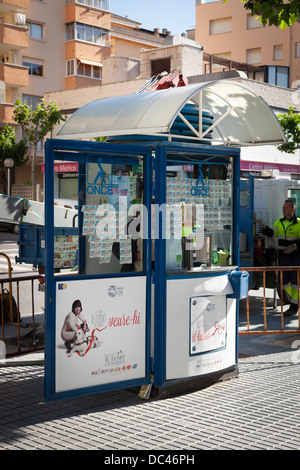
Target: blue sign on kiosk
x,y
152,297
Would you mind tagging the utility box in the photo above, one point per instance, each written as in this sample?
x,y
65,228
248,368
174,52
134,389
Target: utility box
x,y
239,281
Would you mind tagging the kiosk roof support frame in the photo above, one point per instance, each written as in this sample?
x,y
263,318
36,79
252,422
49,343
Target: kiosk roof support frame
x,y
241,117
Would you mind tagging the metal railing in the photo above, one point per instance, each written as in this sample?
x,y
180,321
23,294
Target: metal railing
x,y
277,270
20,332
13,328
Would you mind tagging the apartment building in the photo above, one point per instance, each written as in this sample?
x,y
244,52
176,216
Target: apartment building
x,y
228,31
13,39
50,45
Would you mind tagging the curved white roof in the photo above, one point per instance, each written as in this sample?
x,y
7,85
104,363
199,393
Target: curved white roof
x,y
240,116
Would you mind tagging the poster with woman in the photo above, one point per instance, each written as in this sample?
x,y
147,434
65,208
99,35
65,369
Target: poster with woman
x,y
100,332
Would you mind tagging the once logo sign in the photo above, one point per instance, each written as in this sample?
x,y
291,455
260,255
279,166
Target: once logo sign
x,y
101,183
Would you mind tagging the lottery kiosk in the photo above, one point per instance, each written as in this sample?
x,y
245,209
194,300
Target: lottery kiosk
x,y
145,293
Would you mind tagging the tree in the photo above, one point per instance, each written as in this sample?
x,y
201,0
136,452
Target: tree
x,y
36,124
290,123
280,13
10,149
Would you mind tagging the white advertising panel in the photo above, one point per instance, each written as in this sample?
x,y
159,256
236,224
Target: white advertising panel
x,y
100,332
208,323
201,336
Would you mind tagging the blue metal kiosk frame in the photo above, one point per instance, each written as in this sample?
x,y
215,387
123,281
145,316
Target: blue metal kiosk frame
x,y
155,156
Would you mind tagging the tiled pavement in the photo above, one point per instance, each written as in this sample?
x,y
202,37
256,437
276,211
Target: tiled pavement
x,y
259,410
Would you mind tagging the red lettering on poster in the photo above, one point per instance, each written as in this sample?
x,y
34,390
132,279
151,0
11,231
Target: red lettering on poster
x,y
124,320
200,336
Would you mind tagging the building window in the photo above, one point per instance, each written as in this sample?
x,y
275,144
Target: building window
x,y
253,22
278,52
223,25
84,68
35,67
70,67
31,100
297,49
84,32
160,65
253,56
278,76
35,30
101,4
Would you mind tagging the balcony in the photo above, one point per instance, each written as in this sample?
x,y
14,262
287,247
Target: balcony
x,y
12,5
99,4
88,51
6,113
14,75
80,82
15,37
83,14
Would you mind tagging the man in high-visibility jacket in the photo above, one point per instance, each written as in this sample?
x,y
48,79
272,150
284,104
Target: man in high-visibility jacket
x,y
287,230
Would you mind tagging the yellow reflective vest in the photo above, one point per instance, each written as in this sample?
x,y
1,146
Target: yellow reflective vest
x,y
287,231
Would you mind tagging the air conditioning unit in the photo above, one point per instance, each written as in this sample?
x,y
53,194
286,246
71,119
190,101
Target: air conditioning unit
x,y
20,19
271,173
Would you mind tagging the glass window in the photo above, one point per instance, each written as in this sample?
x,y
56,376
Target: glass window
x,y
112,217
31,100
34,68
278,76
68,184
70,67
97,72
83,70
282,76
35,30
101,4
80,31
37,70
80,68
98,36
297,49
198,216
70,31
87,70
106,38
89,33
272,75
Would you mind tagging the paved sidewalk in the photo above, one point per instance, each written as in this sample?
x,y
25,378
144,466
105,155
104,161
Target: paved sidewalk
x,y
259,410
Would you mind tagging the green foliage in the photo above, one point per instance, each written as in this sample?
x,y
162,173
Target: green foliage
x,y
290,123
36,124
9,148
280,13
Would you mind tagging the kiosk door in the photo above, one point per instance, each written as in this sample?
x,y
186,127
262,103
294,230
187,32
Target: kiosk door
x,y
98,280
198,247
